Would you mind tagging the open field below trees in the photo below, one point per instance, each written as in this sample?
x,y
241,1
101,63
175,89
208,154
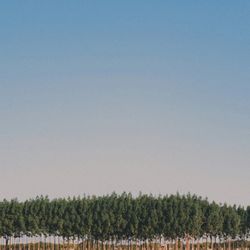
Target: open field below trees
x,y
123,222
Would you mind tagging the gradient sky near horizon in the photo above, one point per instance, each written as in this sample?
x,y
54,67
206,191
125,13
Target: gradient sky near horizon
x,y
102,96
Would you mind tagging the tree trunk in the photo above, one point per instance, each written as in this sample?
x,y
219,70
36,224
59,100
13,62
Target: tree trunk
x,y
187,243
198,244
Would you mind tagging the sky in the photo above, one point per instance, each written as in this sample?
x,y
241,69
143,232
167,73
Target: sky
x,y
103,96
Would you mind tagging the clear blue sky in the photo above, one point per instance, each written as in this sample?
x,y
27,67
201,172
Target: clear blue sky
x,y
150,96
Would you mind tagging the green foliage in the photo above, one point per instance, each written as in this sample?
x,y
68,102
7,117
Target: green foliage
x,y
118,217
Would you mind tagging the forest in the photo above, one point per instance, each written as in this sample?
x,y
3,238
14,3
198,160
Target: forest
x,y
123,221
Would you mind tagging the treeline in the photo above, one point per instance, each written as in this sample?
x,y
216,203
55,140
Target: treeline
x,y
124,217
